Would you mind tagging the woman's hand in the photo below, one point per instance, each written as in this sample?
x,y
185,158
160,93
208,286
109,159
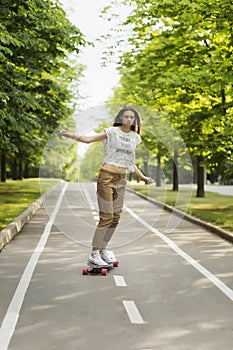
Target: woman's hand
x,y
148,180
65,133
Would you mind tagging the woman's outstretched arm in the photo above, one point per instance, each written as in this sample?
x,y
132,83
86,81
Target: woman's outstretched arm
x,y
85,139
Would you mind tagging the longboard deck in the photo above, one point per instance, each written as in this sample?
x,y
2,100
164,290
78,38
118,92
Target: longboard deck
x,y
99,269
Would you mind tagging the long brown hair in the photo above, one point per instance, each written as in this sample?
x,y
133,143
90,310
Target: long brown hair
x,y
136,126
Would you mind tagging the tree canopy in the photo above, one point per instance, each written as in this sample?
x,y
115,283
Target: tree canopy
x,y
35,73
180,65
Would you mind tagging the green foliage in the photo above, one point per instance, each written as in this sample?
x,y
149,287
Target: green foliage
x,y
36,39
59,158
91,163
180,66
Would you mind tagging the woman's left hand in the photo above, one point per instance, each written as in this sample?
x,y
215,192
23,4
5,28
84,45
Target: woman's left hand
x,y
148,180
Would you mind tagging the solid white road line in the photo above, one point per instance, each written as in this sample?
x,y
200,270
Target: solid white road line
x,y
212,278
133,312
88,198
120,281
91,205
12,314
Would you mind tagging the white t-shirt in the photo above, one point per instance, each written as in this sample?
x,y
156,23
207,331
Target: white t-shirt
x,y
119,147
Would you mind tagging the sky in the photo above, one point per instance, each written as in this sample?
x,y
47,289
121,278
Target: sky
x,y
98,81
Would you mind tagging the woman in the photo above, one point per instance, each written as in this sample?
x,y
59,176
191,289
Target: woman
x,y
120,142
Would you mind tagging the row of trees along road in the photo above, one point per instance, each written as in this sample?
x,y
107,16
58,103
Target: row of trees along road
x,y
180,65
36,42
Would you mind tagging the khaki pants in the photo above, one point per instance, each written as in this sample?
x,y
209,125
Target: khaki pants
x,y
110,195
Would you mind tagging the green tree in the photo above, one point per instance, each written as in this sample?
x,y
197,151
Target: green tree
x,y
180,63
91,162
35,43
59,158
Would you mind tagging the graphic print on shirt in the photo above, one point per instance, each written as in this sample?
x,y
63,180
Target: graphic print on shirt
x,y
120,148
124,144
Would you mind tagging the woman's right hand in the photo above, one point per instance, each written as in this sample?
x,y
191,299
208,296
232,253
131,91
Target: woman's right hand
x,y
65,133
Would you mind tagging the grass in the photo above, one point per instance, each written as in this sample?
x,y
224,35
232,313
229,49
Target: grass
x,y
213,208
16,196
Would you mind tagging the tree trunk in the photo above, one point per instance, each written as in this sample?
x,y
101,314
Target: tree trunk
x,y
14,170
175,172
145,167
26,171
200,178
20,170
3,168
158,173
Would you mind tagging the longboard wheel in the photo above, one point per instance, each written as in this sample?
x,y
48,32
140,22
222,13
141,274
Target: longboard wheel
x,y
85,271
104,272
116,263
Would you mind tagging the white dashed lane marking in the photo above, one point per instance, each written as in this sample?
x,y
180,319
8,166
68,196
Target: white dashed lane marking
x,y
133,313
120,281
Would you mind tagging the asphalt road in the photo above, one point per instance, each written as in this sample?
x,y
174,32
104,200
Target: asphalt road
x,y
171,291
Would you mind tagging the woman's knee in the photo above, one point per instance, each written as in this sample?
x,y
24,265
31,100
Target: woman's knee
x,y
116,219
106,219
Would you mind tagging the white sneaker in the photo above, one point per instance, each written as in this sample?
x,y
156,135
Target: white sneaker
x,y
107,256
96,259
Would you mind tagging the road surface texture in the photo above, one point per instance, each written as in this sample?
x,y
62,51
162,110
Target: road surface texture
x,y
172,290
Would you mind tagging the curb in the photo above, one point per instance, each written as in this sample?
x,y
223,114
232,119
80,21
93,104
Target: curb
x,y
214,229
8,233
